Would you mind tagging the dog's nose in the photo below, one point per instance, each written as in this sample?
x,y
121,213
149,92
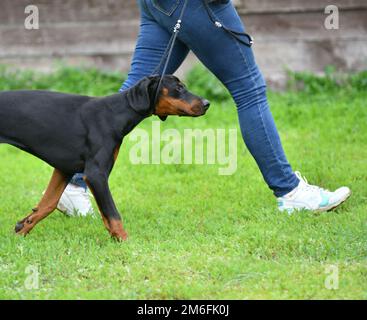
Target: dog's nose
x,y
206,104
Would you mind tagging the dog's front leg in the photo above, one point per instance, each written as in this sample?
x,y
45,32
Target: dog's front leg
x,y
97,181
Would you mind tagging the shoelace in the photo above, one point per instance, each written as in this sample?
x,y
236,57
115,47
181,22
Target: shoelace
x,y
308,186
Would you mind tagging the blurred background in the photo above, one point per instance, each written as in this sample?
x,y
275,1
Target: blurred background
x,y
289,34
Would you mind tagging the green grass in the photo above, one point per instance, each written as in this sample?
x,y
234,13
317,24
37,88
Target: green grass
x,y
195,234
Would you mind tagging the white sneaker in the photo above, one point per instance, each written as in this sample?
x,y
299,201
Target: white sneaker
x,y
309,197
75,201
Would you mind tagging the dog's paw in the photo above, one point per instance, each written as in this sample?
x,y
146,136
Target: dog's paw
x,y
19,226
24,226
120,237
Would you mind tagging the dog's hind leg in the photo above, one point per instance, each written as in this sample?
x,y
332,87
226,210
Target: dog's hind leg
x,y
47,204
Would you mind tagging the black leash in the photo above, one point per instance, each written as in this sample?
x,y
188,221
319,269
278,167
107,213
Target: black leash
x,y
168,52
235,34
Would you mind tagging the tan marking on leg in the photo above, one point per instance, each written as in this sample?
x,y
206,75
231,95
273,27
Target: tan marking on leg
x,y
117,230
116,153
47,204
114,227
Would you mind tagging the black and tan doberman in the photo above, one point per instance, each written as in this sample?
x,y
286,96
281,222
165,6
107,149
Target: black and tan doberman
x,y
74,133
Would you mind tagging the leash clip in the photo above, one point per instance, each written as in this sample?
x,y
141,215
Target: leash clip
x,y
177,26
218,24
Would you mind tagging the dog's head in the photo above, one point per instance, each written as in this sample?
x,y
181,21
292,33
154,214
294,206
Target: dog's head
x,y
173,98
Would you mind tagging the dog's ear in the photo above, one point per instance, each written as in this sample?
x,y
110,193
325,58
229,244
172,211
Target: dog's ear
x,y
163,118
141,96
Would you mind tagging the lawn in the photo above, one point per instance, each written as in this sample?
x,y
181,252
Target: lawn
x,y
195,234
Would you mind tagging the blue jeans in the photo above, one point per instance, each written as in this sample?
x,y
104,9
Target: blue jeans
x,y
229,60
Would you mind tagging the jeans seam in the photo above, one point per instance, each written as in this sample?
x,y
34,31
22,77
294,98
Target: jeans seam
x,y
222,7
144,5
168,13
147,11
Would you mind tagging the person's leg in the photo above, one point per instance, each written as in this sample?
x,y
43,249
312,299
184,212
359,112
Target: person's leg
x,y
234,64
75,200
78,180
